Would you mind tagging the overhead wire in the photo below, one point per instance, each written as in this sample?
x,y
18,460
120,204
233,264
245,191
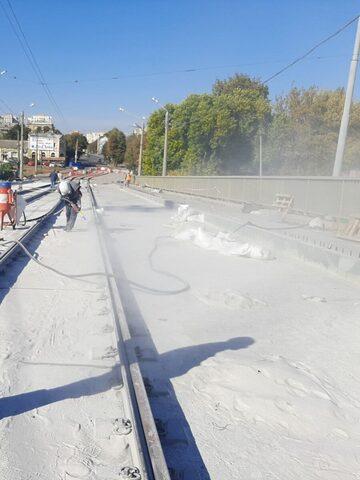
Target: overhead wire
x,y
172,72
14,22
311,50
7,106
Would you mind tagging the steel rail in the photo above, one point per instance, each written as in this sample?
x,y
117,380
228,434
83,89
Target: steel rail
x,y
150,453
11,251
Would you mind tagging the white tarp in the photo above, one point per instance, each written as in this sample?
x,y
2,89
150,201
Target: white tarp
x,y
222,244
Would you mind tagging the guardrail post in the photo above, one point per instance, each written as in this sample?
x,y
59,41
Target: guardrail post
x,y
341,205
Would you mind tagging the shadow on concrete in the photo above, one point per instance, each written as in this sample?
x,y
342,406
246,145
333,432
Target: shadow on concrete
x,y
25,402
132,208
179,445
13,268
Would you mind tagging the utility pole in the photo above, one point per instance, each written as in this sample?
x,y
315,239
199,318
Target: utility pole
x,y
164,167
347,105
76,150
21,146
260,152
165,142
141,147
18,147
37,153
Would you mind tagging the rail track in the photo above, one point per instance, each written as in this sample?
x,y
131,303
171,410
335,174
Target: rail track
x,y
148,461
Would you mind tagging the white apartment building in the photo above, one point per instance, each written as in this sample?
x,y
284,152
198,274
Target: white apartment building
x,y
94,136
7,121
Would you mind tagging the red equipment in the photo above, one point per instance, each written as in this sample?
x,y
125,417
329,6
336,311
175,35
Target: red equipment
x,y
7,204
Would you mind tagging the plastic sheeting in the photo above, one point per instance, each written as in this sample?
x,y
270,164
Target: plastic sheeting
x,y
222,244
186,214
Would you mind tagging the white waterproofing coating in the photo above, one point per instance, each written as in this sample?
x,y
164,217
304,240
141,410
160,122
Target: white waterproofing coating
x,y
222,244
316,223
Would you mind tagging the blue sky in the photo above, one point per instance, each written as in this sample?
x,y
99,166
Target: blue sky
x,y
92,41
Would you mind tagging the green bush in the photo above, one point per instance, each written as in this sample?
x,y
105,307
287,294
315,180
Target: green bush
x,y
6,171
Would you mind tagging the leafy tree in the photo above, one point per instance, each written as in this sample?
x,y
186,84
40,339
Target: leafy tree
x,y
6,171
14,132
71,139
133,151
210,133
153,155
115,148
240,82
302,137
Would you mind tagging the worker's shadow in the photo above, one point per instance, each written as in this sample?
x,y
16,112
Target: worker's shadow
x,y
178,442
179,445
175,432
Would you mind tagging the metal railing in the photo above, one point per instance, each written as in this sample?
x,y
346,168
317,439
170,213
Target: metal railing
x,y
315,195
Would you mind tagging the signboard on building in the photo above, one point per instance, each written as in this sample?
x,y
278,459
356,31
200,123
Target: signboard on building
x,y
41,143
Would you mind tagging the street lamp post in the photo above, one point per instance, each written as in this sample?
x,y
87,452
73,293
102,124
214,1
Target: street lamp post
x,y
22,119
142,132
21,145
142,129
164,167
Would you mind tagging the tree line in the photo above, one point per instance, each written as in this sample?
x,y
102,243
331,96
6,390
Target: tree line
x,y
218,132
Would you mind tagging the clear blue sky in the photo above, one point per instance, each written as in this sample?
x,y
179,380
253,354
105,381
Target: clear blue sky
x,y
89,40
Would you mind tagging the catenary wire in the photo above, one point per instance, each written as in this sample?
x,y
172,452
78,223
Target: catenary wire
x,y
306,54
30,55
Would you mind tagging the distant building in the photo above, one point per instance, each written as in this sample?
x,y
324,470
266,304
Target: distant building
x,y
46,146
40,123
92,137
101,144
9,150
8,121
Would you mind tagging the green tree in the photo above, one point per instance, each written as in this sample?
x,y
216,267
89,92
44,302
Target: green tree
x,y
302,137
115,148
153,155
133,151
240,82
210,133
71,139
14,132
6,171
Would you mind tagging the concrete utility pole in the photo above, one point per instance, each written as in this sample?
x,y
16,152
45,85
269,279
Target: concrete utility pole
x,y
36,153
347,105
141,147
164,169
260,152
76,150
21,146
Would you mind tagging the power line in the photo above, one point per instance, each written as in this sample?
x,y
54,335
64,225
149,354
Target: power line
x,y
186,70
306,54
37,67
30,55
9,109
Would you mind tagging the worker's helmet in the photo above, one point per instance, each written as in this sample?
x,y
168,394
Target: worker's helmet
x,y
64,187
